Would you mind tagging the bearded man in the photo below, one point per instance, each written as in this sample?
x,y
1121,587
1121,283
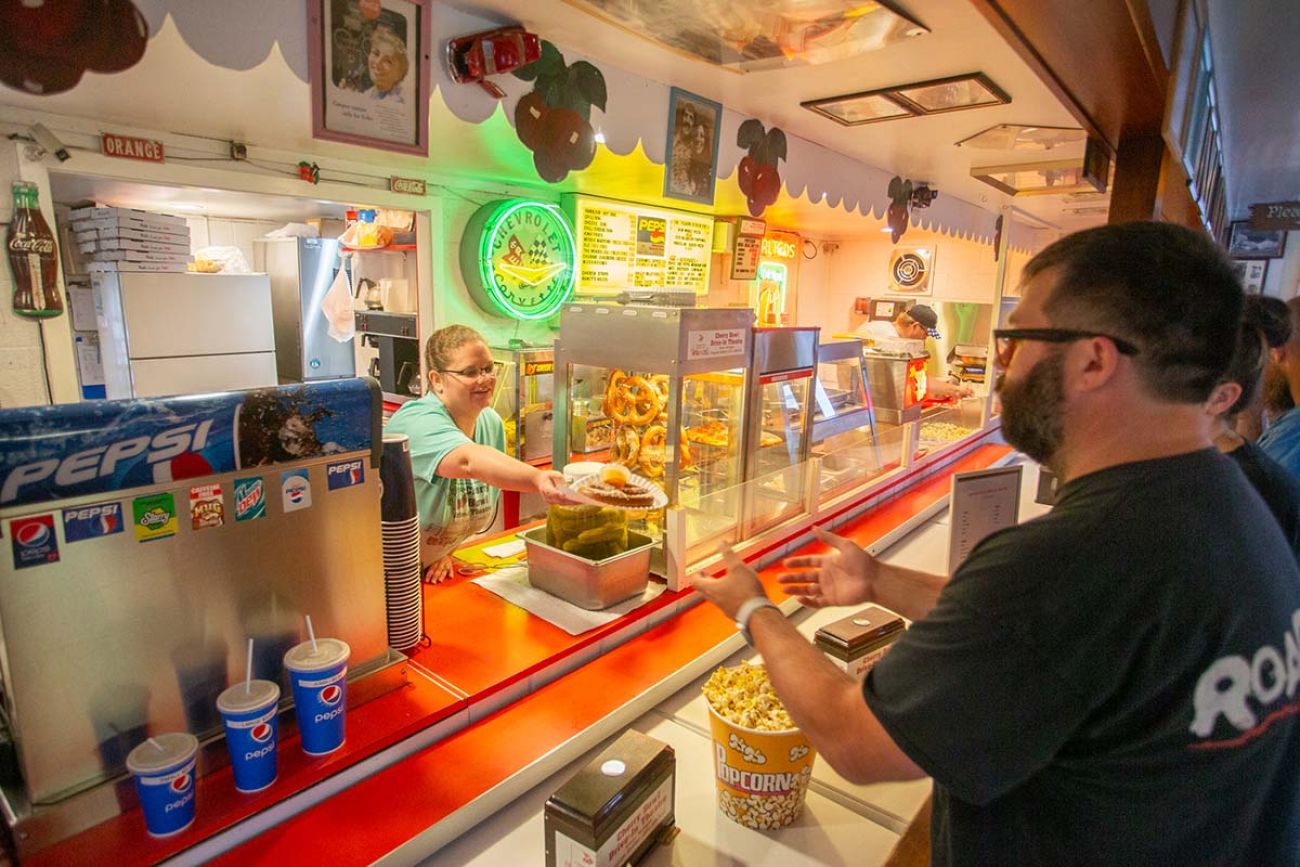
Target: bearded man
x,y
1114,682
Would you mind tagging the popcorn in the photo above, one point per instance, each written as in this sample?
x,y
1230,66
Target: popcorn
x,y
943,432
744,696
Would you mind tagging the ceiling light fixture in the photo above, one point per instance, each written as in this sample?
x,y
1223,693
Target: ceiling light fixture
x,y
937,96
1016,137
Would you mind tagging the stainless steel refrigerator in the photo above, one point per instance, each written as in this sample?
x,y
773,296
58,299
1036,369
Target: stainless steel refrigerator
x,y
301,271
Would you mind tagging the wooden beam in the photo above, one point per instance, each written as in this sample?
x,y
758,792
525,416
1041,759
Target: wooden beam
x,y
1137,179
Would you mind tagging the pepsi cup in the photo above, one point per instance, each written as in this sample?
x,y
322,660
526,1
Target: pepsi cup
x,y
164,776
248,714
319,678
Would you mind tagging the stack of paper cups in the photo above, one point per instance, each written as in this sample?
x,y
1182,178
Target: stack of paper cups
x,y
401,539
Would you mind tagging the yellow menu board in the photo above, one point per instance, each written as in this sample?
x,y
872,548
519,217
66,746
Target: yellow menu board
x,y
628,247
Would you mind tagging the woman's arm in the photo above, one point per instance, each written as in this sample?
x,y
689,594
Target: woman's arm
x,y
473,461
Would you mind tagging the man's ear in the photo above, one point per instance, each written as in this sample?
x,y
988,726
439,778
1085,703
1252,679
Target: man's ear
x,y
1093,363
1225,394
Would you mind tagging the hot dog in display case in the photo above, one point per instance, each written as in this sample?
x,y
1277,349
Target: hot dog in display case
x,y
674,382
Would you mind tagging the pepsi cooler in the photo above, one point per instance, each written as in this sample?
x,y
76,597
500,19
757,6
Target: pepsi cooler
x,y
144,542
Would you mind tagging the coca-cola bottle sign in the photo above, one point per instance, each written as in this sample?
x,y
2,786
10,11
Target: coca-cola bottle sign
x,y
32,257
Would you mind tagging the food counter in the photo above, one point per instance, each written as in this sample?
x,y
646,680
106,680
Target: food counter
x,y
498,702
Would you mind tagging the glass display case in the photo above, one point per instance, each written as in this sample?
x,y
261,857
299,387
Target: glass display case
x,y
841,400
525,377
673,384
779,433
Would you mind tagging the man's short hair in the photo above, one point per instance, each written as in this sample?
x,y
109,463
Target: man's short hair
x,y
1265,322
1271,316
1166,289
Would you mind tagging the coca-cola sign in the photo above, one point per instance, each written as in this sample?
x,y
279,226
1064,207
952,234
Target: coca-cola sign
x,y
31,245
131,148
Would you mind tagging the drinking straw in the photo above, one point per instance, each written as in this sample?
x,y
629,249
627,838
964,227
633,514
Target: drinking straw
x,y
157,746
311,633
248,670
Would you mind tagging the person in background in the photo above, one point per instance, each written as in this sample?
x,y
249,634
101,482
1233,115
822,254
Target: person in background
x,y
1263,325
1272,398
458,449
1281,441
920,322
1108,683
387,63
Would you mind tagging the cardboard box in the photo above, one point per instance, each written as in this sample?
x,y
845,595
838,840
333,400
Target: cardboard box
x,y
114,225
176,267
109,244
119,214
125,233
139,256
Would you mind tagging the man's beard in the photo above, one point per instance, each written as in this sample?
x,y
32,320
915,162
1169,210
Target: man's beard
x,y
1033,409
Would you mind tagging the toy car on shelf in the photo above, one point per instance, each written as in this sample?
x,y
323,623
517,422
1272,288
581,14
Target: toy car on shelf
x,y
493,52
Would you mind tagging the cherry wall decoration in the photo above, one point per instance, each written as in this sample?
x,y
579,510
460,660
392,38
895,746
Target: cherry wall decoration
x,y
758,173
46,47
554,119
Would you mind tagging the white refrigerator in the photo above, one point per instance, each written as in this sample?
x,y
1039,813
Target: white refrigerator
x,y
163,334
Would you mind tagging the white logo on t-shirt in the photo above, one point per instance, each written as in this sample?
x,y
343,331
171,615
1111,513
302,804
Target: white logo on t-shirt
x,y
1230,685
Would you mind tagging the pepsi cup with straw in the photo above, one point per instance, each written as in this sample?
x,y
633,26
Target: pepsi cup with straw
x,y
249,717
163,768
318,672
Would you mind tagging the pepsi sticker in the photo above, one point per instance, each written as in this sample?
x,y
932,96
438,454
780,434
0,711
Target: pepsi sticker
x,y
155,517
250,499
207,508
295,490
92,522
34,541
345,474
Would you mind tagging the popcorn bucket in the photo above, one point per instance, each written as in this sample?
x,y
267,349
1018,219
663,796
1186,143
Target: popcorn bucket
x,y
762,776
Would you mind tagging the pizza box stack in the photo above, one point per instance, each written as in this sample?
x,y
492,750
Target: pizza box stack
x,y
123,239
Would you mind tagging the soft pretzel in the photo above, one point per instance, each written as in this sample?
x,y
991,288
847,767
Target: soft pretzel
x,y
637,402
627,446
652,451
616,378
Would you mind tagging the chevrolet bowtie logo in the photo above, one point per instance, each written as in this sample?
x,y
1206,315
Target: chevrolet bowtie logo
x,y
531,275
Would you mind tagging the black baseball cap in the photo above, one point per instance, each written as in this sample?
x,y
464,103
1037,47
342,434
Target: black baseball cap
x,y
926,318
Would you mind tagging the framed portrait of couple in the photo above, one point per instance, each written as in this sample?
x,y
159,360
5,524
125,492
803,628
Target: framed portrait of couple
x,y
691,153
369,63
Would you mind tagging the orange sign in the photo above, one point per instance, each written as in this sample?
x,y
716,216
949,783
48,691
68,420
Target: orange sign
x,y
131,148
781,245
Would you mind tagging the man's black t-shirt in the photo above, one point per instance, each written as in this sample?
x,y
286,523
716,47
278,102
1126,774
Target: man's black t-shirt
x,y
1114,682
1275,483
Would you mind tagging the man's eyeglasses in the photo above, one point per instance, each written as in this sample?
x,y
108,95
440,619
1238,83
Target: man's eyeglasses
x,y
1005,340
471,373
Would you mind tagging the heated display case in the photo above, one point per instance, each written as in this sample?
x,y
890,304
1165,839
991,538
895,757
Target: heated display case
x,y
842,402
673,382
523,400
779,425
897,384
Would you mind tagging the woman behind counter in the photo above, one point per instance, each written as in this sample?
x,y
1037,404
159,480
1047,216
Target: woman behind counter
x,y
458,449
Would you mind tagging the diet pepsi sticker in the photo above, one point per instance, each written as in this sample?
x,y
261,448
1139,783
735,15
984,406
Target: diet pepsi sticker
x,y
250,499
295,490
207,508
345,474
92,522
34,541
155,517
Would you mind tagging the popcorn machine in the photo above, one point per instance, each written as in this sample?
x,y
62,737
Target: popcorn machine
x,y
523,400
674,383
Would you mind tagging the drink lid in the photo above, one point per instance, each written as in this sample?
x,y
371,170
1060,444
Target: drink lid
x,y
329,653
238,699
176,748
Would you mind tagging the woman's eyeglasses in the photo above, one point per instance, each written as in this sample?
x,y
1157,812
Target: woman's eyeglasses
x,y
1006,340
473,373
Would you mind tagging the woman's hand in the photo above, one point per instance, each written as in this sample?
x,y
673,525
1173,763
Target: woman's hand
x,y
554,489
843,577
436,573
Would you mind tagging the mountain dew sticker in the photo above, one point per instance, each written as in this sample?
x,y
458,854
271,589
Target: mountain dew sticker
x,y
155,517
250,499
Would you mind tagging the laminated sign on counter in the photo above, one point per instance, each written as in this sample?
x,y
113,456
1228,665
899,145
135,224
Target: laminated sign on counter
x,y
92,522
295,490
155,517
250,499
34,541
207,508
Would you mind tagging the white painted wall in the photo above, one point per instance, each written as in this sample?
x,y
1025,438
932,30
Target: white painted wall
x,y
1283,277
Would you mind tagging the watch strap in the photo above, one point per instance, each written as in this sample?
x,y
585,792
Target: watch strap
x,y
746,611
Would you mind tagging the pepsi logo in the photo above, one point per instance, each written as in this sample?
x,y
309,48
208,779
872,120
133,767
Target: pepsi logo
x,y
331,694
32,535
354,474
182,783
107,523
261,732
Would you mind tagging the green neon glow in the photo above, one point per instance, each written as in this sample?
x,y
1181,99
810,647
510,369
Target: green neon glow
x,y
560,285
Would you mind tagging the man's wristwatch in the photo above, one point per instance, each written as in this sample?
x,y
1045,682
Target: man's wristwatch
x,y
746,611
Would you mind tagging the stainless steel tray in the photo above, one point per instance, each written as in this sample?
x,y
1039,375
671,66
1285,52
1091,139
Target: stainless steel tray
x,y
590,584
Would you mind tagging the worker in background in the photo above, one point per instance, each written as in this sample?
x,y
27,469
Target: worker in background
x,y
920,322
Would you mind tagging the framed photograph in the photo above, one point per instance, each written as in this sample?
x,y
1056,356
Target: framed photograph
x,y
691,154
1251,273
1245,242
370,72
